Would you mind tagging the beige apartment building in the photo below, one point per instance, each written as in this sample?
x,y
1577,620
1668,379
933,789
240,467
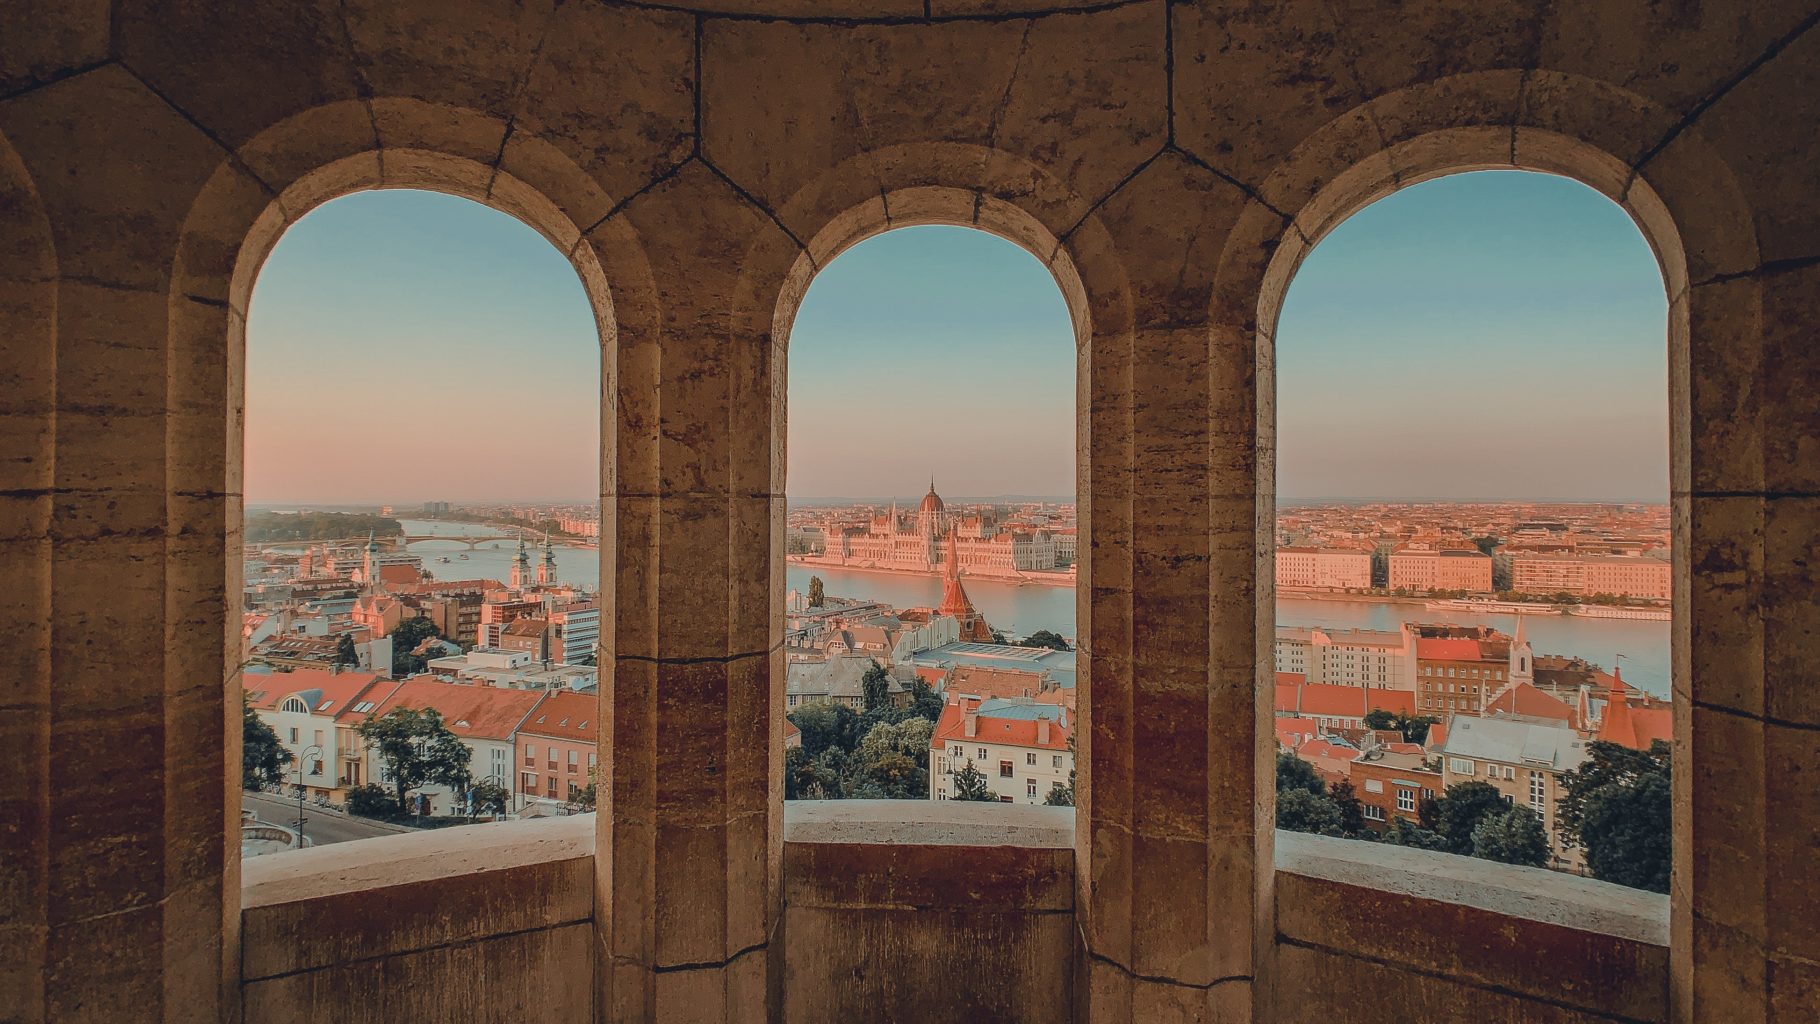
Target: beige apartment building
x,y
1618,575
1523,758
1323,568
1441,570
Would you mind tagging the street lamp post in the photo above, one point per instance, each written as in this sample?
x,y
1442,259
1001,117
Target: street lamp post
x,y
304,756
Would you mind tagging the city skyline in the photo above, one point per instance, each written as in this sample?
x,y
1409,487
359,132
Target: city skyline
x,y
418,289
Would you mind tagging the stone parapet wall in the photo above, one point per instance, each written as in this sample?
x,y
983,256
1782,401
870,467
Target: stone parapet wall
x,y
931,912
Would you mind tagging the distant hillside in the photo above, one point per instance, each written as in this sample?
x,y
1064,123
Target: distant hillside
x,y
282,527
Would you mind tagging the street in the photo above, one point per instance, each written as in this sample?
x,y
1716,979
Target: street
x,y
321,826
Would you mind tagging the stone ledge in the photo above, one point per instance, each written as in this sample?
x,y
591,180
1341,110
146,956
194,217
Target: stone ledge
x,y
1533,894
928,823
1464,931
351,903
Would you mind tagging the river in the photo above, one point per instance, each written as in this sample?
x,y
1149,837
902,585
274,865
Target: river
x,y
1023,609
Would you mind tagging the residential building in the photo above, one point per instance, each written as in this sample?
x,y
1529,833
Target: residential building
x,y
558,752
1428,571
315,713
1391,782
1376,659
1019,745
486,718
1612,575
1523,758
1305,568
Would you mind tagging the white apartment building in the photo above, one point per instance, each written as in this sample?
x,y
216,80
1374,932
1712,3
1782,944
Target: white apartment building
x,y
1323,568
1619,575
1018,744
1369,658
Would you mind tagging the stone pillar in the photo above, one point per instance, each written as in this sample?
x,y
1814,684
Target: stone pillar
x,y
117,745
691,853
1173,867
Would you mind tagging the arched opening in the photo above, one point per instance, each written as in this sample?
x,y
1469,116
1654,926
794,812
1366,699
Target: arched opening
x,y
421,624
1473,540
932,541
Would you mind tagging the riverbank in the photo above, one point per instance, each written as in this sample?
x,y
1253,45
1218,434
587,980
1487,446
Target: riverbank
x,y
1043,579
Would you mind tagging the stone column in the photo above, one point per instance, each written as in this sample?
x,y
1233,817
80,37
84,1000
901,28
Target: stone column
x,y
1173,867
690,854
118,748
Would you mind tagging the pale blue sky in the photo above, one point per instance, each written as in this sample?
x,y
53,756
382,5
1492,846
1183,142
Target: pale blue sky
x,y
1487,335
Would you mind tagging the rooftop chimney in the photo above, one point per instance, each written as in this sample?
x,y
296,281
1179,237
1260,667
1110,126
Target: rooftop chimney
x,y
971,724
1042,730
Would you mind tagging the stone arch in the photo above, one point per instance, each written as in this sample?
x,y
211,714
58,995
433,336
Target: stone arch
x,y
230,229
1693,213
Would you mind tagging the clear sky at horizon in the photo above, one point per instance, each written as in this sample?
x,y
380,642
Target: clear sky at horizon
x,y
1490,335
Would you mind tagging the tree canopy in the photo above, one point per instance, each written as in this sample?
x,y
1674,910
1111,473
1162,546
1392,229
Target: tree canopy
x,y
1513,836
1046,638
262,758
1462,807
818,596
417,749
410,634
283,527
1618,806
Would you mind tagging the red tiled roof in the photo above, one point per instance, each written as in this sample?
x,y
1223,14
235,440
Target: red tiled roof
x,y
1447,649
565,715
526,626
1525,699
1342,701
338,690
1014,732
477,712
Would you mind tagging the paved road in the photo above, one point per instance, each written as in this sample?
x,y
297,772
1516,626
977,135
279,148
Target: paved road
x,y
322,827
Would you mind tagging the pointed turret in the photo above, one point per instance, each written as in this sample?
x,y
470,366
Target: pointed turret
x,y
1616,726
546,570
954,596
521,565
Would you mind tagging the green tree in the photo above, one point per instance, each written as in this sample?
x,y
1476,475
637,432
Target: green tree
x,y
1415,730
818,597
1514,836
826,725
1402,833
410,634
1606,764
894,758
1300,810
807,777
999,638
1486,544
345,654
262,758
1295,773
1627,832
1462,807
970,784
489,797
1346,802
1378,718
924,702
1045,638
373,801
417,749
876,685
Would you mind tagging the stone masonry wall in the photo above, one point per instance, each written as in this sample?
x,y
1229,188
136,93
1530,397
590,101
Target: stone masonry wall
x,y
1170,161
